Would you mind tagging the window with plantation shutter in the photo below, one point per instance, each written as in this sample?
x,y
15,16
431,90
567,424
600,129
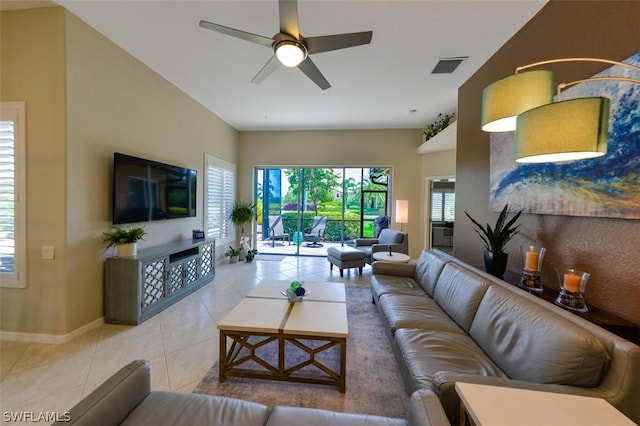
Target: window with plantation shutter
x,y
443,206
12,195
220,192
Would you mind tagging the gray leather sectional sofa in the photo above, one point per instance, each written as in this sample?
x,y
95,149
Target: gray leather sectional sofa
x,y
126,398
449,322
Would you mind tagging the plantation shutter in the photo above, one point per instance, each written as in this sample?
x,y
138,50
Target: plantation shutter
x,y
436,207
449,206
12,184
220,194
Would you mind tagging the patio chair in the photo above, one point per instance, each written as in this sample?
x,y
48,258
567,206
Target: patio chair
x,y
316,233
276,230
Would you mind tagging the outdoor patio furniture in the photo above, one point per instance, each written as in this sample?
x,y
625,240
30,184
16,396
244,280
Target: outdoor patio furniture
x,y
276,230
316,233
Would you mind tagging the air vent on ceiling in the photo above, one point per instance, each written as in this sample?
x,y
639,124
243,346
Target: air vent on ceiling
x,y
448,65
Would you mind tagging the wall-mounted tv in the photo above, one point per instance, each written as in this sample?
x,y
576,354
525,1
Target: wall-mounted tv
x,y
145,190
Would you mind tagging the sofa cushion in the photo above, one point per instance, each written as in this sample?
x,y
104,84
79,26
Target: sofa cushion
x,y
176,408
297,416
389,236
407,311
426,352
428,270
383,284
530,343
458,292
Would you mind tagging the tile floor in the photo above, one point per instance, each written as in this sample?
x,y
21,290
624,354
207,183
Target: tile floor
x,y
181,343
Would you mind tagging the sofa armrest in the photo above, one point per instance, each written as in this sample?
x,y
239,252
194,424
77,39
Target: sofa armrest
x,y
396,269
443,385
360,242
114,399
425,410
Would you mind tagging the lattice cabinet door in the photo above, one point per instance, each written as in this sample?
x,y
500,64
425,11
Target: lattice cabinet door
x,y
138,287
154,276
176,277
207,259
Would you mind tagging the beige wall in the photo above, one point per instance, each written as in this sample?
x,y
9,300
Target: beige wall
x,y
607,248
438,164
395,148
113,103
33,71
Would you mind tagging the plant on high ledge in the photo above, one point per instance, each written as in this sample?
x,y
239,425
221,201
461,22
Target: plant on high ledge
x,y
495,239
442,123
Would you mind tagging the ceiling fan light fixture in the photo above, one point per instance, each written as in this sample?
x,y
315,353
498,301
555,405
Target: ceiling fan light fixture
x,y
290,53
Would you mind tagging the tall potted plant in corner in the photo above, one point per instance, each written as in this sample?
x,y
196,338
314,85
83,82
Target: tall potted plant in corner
x,y
241,214
495,239
124,240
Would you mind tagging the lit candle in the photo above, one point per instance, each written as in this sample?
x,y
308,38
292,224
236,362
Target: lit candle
x,y
571,283
531,260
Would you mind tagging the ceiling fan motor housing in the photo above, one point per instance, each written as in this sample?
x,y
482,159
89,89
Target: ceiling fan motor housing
x,y
289,50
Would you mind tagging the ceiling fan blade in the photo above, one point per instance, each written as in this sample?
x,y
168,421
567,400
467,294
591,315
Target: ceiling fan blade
x,y
337,41
289,17
254,38
266,71
309,68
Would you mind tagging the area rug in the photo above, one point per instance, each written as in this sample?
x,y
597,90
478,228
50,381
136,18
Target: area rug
x,y
271,257
373,382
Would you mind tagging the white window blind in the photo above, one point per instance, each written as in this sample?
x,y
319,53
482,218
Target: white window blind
x,y
12,195
443,206
220,190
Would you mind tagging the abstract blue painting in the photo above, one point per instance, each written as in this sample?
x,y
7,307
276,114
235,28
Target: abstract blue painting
x,y
607,186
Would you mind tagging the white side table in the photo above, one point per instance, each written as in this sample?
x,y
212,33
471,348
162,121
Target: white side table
x,y
495,405
395,257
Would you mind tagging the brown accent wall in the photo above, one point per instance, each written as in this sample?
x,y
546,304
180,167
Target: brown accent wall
x,y
607,248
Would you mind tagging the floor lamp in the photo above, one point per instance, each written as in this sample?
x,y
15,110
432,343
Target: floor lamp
x,y
402,212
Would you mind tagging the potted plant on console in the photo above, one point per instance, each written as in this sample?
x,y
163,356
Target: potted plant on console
x,y
495,239
125,240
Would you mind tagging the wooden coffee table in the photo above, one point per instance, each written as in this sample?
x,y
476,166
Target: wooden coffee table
x,y
264,317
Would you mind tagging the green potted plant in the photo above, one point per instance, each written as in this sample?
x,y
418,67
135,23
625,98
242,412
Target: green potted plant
x,y
125,240
495,239
434,128
242,213
251,254
233,254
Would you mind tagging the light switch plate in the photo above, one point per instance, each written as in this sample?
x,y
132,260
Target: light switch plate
x,y
48,252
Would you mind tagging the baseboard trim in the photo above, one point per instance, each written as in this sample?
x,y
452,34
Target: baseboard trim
x,y
50,338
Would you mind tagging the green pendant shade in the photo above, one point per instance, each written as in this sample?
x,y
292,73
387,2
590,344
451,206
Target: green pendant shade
x,y
563,131
503,100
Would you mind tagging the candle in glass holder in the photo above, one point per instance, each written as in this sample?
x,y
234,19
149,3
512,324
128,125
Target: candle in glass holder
x,y
571,283
531,260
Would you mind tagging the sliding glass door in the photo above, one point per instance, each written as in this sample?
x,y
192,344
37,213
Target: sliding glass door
x,y
305,210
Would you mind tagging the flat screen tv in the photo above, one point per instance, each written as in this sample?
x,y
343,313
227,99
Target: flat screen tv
x,y
145,190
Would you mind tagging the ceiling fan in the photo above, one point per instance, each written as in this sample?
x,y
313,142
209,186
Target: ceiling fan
x,y
290,48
